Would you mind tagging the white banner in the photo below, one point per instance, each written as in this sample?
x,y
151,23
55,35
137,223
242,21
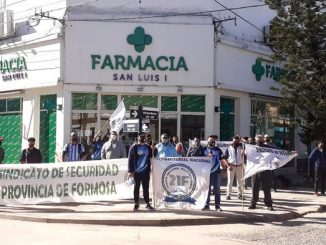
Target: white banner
x,y
261,158
116,120
102,180
181,182
223,145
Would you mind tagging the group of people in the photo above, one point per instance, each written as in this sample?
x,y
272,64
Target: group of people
x,y
140,153
233,159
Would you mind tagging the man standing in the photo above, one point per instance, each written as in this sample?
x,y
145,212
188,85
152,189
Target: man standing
x,y
97,148
73,151
234,156
263,179
318,157
139,166
31,154
196,150
113,149
2,151
165,148
215,177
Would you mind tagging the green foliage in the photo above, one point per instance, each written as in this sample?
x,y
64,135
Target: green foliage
x,y
298,38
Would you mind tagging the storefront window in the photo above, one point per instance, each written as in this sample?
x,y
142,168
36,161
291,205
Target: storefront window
x,y
192,126
193,103
266,118
169,103
83,101
135,100
227,119
84,124
109,102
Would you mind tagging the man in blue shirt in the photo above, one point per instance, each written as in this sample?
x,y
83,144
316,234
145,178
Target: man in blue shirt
x,y
318,157
215,178
165,148
73,151
139,166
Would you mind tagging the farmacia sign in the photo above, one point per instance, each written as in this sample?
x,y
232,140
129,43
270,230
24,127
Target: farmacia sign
x,y
13,69
120,63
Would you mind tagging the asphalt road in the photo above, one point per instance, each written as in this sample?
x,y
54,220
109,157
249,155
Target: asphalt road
x,y
308,230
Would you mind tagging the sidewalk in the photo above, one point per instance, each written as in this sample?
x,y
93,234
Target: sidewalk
x,y
288,204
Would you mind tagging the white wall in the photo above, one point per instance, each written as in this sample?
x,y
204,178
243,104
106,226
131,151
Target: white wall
x,y
234,71
43,66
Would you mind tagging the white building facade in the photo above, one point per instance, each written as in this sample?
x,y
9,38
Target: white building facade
x,y
66,65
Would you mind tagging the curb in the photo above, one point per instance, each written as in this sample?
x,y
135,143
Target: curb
x,y
250,218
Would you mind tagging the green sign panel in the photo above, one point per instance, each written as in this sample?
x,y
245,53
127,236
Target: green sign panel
x,y
265,69
13,65
140,40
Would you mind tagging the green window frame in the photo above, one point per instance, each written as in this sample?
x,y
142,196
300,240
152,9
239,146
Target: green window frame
x,y
169,103
135,100
84,101
193,103
109,102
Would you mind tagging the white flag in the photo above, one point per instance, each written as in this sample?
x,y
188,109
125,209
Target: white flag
x,y
116,120
181,182
261,158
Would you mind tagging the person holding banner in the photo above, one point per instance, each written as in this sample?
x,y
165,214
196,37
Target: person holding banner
x,y
318,158
31,154
197,150
215,177
73,151
234,156
165,148
264,179
139,166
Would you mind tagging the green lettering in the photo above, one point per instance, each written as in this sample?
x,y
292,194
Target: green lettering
x,y
134,63
268,70
149,63
107,62
95,60
21,64
181,64
120,61
158,65
172,68
5,66
273,73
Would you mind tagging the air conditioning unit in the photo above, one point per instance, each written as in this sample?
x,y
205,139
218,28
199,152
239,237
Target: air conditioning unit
x,y
266,32
7,23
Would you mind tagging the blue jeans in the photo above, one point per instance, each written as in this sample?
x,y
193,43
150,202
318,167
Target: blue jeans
x,y
215,181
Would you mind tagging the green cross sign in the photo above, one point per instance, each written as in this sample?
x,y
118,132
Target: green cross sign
x,y
258,69
139,39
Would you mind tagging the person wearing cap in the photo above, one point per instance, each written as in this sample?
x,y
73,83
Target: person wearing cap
x,y
73,151
31,154
2,151
165,148
139,167
113,149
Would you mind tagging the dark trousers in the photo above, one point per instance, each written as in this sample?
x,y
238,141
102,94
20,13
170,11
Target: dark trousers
x,y
142,178
263,179
320,176
215,181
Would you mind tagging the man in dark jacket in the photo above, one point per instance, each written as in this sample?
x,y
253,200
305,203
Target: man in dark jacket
x,y
318,157
31,154
139,166
264,179
196,150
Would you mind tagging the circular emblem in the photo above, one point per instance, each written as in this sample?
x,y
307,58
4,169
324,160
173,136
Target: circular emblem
x,y
179,181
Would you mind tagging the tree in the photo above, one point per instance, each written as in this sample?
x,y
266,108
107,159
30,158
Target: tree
x,y
298,37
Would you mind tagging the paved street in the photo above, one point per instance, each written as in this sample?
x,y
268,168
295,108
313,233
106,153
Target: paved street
x,y
308,230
